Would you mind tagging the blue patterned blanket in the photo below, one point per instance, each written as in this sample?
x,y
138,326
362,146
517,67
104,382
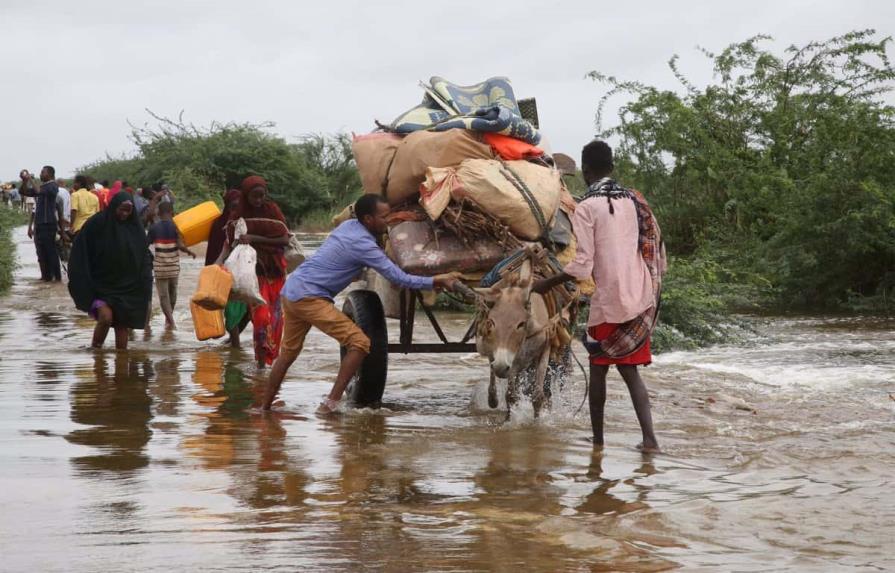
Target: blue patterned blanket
x,y
487,106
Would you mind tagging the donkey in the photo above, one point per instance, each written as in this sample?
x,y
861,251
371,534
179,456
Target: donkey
x,y
513,334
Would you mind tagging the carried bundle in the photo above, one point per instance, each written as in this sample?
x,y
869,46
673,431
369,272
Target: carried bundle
x,y
466,171
522,195
394,166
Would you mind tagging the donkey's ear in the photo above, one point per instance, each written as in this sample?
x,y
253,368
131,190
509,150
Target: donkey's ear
x,y
489,295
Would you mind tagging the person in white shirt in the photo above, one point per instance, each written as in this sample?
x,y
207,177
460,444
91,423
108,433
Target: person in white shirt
x,y
63,198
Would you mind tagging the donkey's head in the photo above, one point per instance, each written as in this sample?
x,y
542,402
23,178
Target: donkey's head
x,y
505,325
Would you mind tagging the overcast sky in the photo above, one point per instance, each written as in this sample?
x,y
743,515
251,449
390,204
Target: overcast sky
x,y
76,72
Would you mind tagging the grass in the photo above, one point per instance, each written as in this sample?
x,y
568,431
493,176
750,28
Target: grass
x,y
9,219
317,221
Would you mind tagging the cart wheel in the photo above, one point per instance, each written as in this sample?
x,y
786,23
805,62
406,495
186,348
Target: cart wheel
x,y
365,308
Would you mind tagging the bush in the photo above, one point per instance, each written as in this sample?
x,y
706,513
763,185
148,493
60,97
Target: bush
x,y
697,297
783,164
317,173
9,218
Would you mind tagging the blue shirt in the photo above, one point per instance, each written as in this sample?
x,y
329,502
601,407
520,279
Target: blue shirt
x,y
344,254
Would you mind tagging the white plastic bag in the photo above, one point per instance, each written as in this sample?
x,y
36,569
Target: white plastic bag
x,y
241,264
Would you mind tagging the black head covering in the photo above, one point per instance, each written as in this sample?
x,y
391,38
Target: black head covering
x,y
110,261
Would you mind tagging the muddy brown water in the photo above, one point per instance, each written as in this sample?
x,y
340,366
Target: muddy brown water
x,y
779,456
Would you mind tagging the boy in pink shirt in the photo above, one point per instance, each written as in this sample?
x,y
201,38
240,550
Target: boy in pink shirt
x,y
620,248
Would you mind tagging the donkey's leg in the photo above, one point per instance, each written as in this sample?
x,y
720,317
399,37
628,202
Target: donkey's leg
x,y
492,392
512,391
537,394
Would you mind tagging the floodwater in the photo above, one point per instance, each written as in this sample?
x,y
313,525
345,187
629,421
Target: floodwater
x,y
779,456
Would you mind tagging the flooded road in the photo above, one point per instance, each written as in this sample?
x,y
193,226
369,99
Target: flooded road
x,y
779,456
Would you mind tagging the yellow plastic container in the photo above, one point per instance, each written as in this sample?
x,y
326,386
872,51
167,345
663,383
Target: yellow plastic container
x,y
207,323
195,224
214,287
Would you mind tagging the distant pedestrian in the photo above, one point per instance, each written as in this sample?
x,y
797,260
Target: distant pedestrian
x,y
64,198
102,193
84,204
110,271
167,243
28,190
113,190
46,222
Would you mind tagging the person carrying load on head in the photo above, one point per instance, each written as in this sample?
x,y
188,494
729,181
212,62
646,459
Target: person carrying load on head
x,y
311,288
619,246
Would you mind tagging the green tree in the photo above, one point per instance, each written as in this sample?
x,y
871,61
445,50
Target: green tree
x,y
317,173
782,167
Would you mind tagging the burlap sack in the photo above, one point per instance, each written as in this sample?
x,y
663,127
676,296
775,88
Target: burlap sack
x,y
424,149
485,182
373,153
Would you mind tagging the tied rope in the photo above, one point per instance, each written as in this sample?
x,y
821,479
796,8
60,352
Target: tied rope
x,y
529,197
482,309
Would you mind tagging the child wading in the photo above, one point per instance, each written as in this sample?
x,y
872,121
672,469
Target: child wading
x,y
167,244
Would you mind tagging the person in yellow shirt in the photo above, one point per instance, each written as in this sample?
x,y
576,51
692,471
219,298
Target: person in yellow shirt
x,y
84,204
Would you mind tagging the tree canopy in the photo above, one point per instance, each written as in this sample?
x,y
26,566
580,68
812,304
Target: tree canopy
x,y
782,169
315,174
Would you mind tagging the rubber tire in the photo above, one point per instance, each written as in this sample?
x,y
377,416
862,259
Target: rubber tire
x,y
365,308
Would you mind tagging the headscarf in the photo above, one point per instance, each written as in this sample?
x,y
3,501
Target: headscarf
x,y
116,187
110,261
268,210
217,236
267,221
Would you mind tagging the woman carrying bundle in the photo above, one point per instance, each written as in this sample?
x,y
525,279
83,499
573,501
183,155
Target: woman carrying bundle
x,y
236,316
110,271
268,234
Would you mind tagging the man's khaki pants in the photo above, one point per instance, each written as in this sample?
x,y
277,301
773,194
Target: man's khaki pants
x,y
301,315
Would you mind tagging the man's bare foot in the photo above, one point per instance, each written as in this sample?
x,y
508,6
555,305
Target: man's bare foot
x,y
649,448
275,404
328,407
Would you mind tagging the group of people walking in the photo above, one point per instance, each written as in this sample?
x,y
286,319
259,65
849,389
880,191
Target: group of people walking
x,y
111,272
57,214
115,261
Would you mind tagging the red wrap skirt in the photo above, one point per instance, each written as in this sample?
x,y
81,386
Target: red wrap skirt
x,y
642,357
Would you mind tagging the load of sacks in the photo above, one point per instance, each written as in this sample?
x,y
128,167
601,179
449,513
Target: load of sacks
x,y
460,158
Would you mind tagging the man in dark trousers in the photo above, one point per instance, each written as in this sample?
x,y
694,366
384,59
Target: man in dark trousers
x,y
46,221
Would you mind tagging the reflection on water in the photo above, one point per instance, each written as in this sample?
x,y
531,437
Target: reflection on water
x,y
112,400
601,501
153,459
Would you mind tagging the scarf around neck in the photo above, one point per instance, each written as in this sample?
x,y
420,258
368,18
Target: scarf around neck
x,y
609,188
